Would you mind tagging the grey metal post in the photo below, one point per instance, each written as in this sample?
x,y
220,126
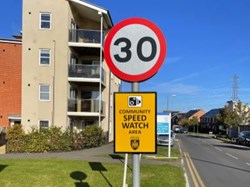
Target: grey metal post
x,y
136,158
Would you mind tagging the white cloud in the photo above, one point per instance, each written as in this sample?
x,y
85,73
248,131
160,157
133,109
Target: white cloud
x,y
185,77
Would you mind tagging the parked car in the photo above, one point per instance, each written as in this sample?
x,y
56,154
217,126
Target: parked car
x,y
163,139
243,138
183,130
176,128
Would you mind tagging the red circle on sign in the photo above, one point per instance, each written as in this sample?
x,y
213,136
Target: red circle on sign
x,y
135,77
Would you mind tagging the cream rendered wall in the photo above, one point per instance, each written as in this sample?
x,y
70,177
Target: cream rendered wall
x,y
56,73
56,39
112,85
115,84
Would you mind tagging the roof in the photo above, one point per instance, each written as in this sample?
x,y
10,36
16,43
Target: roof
x,y
92,12
190,113
212,113
13,41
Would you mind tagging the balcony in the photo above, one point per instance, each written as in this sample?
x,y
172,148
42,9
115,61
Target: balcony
x,y
84,36
83,71
86,106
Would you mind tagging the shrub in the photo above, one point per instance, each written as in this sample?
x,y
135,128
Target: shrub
x,y
37,141
15,139
53,139
93,136
78,141
67,140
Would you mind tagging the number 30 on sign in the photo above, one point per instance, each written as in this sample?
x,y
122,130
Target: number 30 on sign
x,y
135,49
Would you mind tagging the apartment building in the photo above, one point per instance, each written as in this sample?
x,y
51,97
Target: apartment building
x,y
65,80
10,81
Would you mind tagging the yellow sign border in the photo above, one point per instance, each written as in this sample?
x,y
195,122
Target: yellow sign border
x,y
135,129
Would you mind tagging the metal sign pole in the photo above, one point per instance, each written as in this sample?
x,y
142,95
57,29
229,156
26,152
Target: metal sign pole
x,y
131,32
125,170
169,136
136,158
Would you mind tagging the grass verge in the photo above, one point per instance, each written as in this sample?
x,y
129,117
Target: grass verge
x,y
60,172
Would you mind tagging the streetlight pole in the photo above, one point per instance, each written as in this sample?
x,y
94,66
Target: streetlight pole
x,y
168,100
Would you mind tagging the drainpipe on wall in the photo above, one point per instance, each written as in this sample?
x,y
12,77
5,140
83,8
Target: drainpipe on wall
x,y
53,85
100,83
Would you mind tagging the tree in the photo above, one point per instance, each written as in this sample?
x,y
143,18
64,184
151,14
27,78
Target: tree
x,y
194,121
240,115
243,113
226,117
184,122
190,122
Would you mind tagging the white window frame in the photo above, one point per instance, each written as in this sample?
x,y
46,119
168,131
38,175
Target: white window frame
x,y
45,21
40,98
44,51
43,120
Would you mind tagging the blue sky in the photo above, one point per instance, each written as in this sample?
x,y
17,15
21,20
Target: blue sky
x,y
208,42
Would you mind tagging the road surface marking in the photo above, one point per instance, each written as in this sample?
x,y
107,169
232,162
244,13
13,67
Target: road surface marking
x,y
218,149
232,156
194,174
179,147
190,170
182,164
248,164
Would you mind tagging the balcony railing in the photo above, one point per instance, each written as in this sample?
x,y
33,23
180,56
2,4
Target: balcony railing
x,y
86,71
84,35
85,105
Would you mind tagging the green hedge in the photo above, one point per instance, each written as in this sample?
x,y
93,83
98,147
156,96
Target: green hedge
x,y
53,139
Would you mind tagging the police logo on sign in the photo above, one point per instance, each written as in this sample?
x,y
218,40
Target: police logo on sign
x,y
135,142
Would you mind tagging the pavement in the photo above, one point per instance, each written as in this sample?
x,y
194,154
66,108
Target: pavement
x,y
104,153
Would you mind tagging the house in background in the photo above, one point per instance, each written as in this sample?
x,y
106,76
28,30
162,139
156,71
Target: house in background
x,y
65,80
176,117
194,113
208,121
10,82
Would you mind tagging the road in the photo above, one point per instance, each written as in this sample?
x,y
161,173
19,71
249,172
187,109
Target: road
x,y
212,163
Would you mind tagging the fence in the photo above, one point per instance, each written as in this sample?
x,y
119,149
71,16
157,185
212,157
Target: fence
x,y
232,132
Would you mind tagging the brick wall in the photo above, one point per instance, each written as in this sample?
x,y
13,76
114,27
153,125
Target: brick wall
x,y
10,80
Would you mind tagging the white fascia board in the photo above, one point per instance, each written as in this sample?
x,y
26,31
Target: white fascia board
x,y
89,6
10,41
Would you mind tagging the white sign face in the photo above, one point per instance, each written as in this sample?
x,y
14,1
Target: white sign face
x,y
144,44
163,123
135,49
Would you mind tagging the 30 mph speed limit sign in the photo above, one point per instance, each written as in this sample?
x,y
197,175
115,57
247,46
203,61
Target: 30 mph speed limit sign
x,y
135,49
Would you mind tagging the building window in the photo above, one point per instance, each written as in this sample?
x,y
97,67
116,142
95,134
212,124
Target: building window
x,y
44,92
44,56
43,124
45,20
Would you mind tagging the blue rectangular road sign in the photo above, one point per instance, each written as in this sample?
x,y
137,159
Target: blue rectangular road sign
x,y
163,123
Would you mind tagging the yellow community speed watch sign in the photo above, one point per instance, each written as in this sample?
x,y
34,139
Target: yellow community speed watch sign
x,y
135,122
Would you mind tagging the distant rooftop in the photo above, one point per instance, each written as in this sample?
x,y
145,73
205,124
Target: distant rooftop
x,y
191,113
212,113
